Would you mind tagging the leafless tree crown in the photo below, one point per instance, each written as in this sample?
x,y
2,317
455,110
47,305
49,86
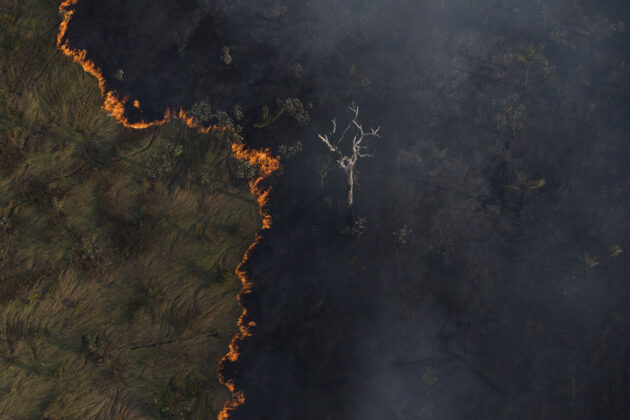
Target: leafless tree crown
x,y
348,162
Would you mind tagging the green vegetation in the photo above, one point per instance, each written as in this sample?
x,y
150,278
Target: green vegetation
x,y
117,246
267,118
526,184
531,55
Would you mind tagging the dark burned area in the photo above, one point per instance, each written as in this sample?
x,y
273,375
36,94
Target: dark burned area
x,y
488,282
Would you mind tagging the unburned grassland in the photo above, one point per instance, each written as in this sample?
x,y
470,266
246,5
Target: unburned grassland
x,y
117,246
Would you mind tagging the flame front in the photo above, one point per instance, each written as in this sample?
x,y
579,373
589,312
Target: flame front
x,y
262,160
266,164
113,103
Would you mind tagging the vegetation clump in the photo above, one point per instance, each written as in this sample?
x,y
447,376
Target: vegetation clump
x,y
268,118
402,235
159,165
296,109
243,170
94,346
357,228
201,112
226,56
290,150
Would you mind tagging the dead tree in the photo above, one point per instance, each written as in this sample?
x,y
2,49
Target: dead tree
x,y
348,162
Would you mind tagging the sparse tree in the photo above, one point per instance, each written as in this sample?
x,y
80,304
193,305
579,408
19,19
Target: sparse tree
x,y
119,75
348,162
226,56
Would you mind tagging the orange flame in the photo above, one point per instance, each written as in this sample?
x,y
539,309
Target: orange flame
x,y
266,164
262,160
113,103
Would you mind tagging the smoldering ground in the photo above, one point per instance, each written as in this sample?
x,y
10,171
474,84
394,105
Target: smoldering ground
x,y
481,272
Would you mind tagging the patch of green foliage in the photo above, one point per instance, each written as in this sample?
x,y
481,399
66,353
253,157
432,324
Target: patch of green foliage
x,y
117,292
526,184
268,118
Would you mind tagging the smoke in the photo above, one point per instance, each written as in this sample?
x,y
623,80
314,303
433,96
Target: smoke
x,y
502,155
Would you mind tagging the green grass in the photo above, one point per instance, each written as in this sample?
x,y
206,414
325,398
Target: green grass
x,y
117,298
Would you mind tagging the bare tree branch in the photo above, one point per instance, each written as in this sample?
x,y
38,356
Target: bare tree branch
x,y
348,163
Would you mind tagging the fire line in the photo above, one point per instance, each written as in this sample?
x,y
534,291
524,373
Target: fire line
x,y
262,160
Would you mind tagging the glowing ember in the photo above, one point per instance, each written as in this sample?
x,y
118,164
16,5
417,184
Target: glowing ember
x,y
262,160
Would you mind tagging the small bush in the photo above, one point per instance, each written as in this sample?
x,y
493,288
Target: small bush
x,y
290,150
295,109
201,112
161,164
243,170
93,346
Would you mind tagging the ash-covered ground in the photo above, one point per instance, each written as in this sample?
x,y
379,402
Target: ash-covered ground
x,y
482,271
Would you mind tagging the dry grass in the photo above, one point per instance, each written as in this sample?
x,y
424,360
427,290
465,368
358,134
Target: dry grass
x,y
117,297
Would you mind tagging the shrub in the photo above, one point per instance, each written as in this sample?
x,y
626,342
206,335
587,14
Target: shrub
x,y
295,109
243,170
161,164
290,150
201,112
93,346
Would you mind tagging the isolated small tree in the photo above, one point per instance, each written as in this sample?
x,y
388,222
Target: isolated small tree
x,y
348,162
531,56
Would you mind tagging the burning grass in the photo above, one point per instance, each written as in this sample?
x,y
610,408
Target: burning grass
x,y
113,103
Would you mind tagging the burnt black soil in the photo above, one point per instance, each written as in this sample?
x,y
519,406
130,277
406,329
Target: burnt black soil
x,y
503,154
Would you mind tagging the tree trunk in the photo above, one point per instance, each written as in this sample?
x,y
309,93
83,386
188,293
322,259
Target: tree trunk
x,y
351,185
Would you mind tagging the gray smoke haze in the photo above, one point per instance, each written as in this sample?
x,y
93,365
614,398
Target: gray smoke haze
x,y
504,155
